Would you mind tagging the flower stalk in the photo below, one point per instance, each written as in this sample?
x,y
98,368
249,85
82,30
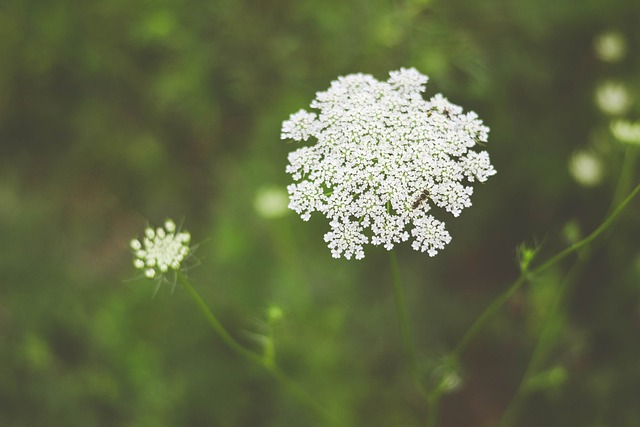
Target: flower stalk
x,y
495,306
266,362
163,251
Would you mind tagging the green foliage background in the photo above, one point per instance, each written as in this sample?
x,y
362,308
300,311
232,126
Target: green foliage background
x,y
116,113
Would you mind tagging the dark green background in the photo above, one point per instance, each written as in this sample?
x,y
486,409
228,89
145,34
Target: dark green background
x,y
114,113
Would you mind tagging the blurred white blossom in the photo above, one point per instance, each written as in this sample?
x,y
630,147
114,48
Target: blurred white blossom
x,y
271,202
610,46
161,250
613,98
384,157
626,131
586,168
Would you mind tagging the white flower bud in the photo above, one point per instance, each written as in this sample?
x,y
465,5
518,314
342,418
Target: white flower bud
x,y
149,233
613,98
161,250
170,226
626,132
610,46
586,168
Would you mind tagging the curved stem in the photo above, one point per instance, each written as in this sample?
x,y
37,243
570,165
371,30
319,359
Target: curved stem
x,y
496,304
542,345
268,365
517,284
216,325
300,393
576,246
543,342
487,314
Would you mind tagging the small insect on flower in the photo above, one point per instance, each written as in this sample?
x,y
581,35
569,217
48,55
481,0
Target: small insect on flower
x,y
373,147
424,195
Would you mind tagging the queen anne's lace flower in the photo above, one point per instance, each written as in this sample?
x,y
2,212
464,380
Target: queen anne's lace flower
x,y
161,250
384,157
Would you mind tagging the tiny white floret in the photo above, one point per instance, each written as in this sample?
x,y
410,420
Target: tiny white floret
x,y
170,226
626,131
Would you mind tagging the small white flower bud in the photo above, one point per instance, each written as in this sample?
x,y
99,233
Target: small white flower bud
x,y
613,98
610,46
586,168
271,202
161,250
170,226
149,233
626,132
135,244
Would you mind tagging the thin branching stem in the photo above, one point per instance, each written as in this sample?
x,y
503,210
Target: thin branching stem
x,y
542,343
495,306
216,325
487,314
576,246
265,363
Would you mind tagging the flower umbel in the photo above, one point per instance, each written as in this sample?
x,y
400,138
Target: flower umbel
x,y
161,250
384,157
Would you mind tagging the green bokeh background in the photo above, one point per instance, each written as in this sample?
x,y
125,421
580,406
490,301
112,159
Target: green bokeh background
x,y
114,114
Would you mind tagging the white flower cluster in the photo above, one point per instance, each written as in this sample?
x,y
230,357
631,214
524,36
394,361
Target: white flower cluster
x,y
384,157
161,249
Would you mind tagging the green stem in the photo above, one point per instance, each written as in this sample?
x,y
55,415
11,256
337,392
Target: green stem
x,y
496,304
541,347
407,341
626,174
487,314
543,343
504,297
301,394
398,294
434,401
268,365
216,325
576,246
